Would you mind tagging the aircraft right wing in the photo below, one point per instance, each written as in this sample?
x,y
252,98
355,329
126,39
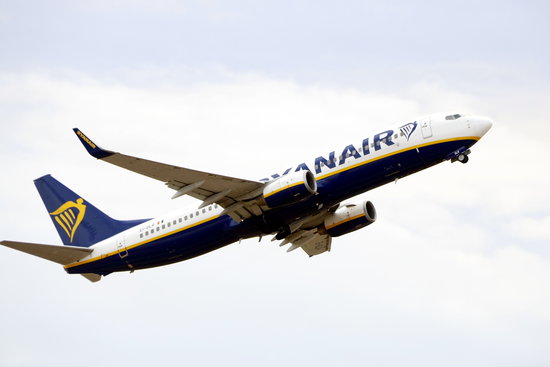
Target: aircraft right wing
x,y
236,196
228,192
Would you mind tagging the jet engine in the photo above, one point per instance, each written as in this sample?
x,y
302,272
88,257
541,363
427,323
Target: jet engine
x,y
348,218
289,189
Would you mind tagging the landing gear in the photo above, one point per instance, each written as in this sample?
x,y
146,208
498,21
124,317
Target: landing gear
x,y
462,158
459,155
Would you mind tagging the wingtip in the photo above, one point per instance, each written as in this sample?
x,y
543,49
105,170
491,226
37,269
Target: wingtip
x,y
90,146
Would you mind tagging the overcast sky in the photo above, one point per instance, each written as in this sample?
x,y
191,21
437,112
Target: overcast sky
x,y
455,272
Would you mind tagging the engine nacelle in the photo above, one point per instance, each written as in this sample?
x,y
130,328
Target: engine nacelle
x,y
349,218
289,189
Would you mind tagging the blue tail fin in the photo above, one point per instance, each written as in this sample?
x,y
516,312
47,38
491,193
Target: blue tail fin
x,y
77,221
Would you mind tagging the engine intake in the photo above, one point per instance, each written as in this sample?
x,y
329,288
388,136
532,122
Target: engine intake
x,y
289,189
349,218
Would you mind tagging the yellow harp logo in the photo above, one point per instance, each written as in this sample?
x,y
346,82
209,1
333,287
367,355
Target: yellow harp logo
x,y
66,217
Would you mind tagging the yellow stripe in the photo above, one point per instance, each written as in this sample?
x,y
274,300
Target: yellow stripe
x,y
138,244
394,153
284,188
62,226
66,215
345,221
65,220
72,214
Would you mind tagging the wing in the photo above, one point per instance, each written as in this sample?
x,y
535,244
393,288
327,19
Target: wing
x,y
234,194
228,192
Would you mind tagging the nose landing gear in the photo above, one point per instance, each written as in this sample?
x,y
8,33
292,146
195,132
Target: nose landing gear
x,y
460,155
462,158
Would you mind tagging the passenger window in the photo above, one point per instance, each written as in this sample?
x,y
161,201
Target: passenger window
x,y
163,226
191,215
210,208
204,211
185,217
174,223
158,229
197,213
181,219
395,136
169,224
141,235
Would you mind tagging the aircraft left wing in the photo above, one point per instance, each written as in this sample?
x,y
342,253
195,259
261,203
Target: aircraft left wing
x,y
228,192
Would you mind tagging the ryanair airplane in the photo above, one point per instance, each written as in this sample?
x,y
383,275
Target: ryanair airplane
x,y
303,207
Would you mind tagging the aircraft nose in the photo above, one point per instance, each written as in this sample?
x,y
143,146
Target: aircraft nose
x,y
482,125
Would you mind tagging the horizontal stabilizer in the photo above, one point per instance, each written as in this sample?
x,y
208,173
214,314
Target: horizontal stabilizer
x,y
92,277
60,254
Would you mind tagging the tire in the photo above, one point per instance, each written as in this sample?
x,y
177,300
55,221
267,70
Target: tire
x,y
462,158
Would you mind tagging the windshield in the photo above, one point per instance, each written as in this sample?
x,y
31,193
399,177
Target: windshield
x,y
453,117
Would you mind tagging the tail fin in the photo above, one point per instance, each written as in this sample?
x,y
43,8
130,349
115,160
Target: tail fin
x,y
77,221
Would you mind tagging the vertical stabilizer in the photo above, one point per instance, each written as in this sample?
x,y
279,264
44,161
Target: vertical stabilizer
x,y
77,221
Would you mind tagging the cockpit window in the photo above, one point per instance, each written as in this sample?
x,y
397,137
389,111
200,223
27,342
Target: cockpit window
x,y
453,117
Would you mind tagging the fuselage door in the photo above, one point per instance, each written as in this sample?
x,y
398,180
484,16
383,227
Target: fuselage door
x,y
121,247
426,127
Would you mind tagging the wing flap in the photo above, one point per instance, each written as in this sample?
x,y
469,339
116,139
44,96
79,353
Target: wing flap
x,y
318,245
60,254
311,241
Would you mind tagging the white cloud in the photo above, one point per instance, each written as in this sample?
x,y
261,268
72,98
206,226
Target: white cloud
x,y
438,268
533,228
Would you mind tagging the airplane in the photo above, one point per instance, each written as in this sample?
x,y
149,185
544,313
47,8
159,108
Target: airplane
x,y
303,207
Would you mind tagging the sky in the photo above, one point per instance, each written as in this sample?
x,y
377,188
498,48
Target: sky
x,y
456,270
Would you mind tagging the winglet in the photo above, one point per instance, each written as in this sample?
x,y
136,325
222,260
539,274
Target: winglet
x,y
91,147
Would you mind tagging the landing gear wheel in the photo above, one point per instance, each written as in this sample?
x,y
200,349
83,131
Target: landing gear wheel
x,y
462,158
